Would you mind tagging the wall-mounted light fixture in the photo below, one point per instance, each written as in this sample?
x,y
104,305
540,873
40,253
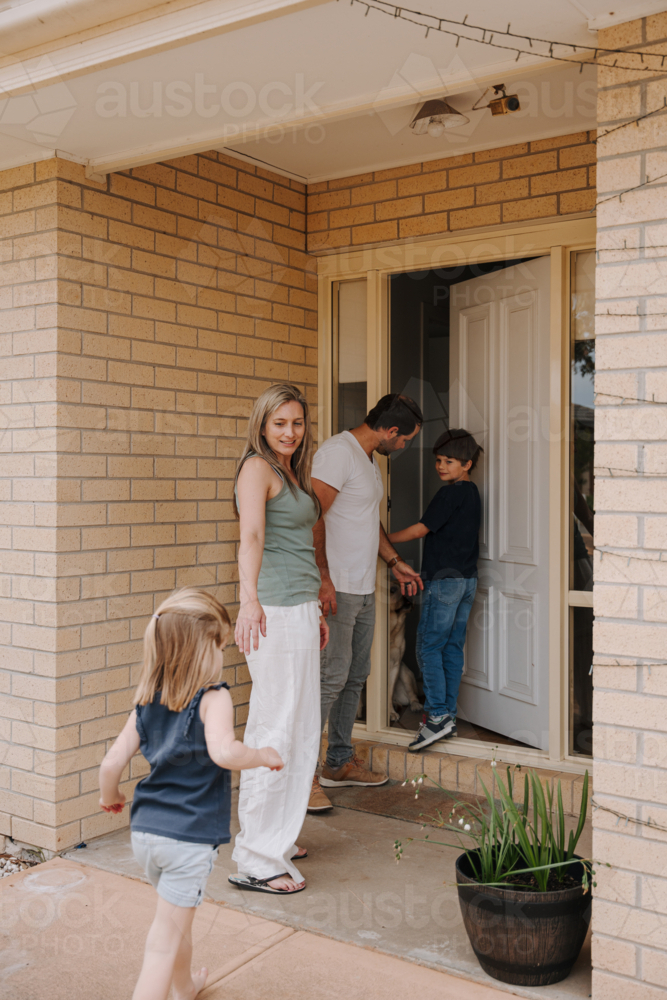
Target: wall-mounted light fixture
x,y
434,117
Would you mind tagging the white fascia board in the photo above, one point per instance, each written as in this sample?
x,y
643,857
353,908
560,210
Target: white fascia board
x,y
630,12
134,37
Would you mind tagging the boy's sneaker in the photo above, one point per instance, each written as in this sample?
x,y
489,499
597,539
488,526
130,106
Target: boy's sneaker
x,y
431,731
452,732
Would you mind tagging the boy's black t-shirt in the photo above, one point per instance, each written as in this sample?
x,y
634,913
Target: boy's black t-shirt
x,y
452,546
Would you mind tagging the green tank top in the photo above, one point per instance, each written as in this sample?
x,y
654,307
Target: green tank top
x,y
289,573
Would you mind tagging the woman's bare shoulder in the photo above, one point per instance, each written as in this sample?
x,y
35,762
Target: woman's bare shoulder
x,y
256,469
257,475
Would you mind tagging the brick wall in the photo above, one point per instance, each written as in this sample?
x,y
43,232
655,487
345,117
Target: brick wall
x,y
139,319
531,180
630,701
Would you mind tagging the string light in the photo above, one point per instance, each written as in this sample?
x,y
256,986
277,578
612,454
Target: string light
x,y
637,187
628,819
411,16
635,473
630,399
633,121
606,550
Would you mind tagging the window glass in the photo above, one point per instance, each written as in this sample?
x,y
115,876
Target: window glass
x,y
582,495
582,373
350,356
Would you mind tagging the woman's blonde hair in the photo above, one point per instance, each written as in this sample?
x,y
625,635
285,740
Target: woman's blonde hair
x,y
302,459
178,643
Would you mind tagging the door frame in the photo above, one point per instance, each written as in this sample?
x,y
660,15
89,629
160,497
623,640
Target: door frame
x,y
558,239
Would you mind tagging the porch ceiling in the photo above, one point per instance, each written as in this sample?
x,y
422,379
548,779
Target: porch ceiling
x,y
311,87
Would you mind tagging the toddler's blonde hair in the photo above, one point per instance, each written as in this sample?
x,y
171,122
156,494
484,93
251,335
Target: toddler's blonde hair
x,y
178,644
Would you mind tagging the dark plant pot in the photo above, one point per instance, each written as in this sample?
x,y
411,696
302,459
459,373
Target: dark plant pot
x,y
524,938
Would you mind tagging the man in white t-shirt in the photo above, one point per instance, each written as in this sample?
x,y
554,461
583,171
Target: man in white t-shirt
x,y
348,539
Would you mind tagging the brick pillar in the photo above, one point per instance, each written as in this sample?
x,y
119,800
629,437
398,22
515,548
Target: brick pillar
x,y
35,534
630,697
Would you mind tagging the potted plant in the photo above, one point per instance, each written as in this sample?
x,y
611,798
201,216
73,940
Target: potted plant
x,y
524,892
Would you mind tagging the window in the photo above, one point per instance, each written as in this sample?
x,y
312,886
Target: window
x,y
582,499
349,361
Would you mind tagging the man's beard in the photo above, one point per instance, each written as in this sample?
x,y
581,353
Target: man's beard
x,y
388,448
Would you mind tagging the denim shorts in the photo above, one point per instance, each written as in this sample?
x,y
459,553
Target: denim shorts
x,y
177,869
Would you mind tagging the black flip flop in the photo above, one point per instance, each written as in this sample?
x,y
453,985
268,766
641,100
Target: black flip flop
x,y
260,884
299,857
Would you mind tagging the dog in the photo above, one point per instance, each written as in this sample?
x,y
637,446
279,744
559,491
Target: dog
x,y
402,683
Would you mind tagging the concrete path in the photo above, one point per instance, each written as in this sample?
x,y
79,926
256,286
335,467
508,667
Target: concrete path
x,y
358,894
72,932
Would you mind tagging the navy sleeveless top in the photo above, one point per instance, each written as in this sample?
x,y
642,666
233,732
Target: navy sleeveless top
x,y
186,796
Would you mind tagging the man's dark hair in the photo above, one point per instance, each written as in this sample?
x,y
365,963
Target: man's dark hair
x,y
395,410
460,444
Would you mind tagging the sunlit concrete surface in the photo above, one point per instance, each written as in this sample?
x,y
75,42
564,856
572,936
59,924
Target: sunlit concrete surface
x,y
358,894
73,932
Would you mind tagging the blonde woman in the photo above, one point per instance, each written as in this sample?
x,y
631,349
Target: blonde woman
x,y
281,631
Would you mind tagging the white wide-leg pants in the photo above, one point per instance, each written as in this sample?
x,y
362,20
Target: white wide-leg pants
x,y
285,714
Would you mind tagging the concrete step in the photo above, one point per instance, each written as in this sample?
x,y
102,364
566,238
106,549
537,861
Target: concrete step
x,y
461,776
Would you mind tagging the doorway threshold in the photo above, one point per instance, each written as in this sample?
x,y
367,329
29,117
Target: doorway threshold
x,y
477,750
409,721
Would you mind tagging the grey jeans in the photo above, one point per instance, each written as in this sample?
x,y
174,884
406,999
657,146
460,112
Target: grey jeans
x,y
344,666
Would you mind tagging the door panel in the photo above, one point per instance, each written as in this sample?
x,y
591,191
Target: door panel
x,y
470,364
516,379
499,371
478,661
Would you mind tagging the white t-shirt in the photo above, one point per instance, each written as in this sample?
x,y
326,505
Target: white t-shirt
x,y
353,520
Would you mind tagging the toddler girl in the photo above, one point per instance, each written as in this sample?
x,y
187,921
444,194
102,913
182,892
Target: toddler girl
x,y
183,724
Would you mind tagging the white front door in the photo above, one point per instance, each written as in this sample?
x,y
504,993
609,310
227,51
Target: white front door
x,y
500,393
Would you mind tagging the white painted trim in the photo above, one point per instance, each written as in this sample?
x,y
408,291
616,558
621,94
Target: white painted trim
x,y
256,162
39,155
559,480
139,35
636,10
580,598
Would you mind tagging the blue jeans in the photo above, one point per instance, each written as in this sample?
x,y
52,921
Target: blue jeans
x,y
441,636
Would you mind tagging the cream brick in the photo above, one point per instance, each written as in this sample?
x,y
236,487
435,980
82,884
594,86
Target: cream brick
x,y
45,836
617,602
654,967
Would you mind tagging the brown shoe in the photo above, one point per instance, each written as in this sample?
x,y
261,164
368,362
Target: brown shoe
x,y
351,773
318,802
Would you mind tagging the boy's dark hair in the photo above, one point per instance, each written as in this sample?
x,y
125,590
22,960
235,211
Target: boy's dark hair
x,y
395,410
458,443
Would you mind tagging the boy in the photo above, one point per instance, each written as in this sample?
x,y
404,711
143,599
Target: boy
x,y
450,526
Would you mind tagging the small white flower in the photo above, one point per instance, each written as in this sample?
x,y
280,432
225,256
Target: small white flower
x,y
461,822
467,826
420,780
404,784
493,763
